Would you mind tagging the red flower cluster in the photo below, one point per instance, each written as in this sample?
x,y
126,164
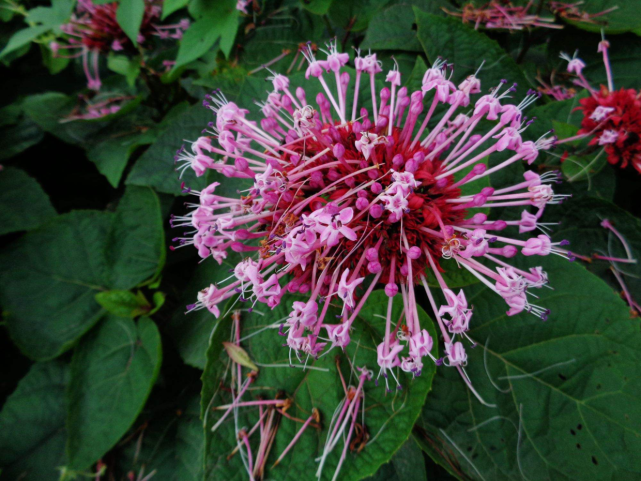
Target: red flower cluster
x,y
614,118
100,30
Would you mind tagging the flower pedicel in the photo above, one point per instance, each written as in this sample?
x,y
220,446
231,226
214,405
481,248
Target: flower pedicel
x,y
347,199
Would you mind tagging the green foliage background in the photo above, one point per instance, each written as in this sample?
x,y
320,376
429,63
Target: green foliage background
x,y
100,365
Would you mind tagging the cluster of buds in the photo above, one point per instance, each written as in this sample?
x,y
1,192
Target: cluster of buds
x,y
94,30
346,200
611,118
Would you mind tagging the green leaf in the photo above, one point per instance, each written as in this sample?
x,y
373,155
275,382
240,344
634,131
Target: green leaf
x,y
33,207
467,49
49,277
391,29
112,373
53,16
567,403
129,67
355,14
136,244
129,16
54,64
48,109
578,168
228,31
624,18
171,444
156,167
48,280
170,6
564,130
159,301
115,144
317,7
32,425
17,138
581,225
123,303
112,155
22,38
389,418
198,39
191,332
406,465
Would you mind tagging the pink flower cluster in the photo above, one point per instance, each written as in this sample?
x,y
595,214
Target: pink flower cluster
x,y
345,200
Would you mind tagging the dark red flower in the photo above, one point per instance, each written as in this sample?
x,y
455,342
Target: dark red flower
x,y
616,114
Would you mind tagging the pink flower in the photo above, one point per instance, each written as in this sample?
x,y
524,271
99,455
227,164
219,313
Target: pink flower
x,y
209,298
477,245
394,77
366,144
334,226
346,289
338,334
601,113
488,104
457,309
540,246
608,137
421,344
303,314
390,359
455,353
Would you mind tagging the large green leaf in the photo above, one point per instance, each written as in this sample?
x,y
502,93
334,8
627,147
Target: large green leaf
x,y
23,203
129,16
48,278
389,418
450,39
392,27
32,425
136,242
567,390
112,373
